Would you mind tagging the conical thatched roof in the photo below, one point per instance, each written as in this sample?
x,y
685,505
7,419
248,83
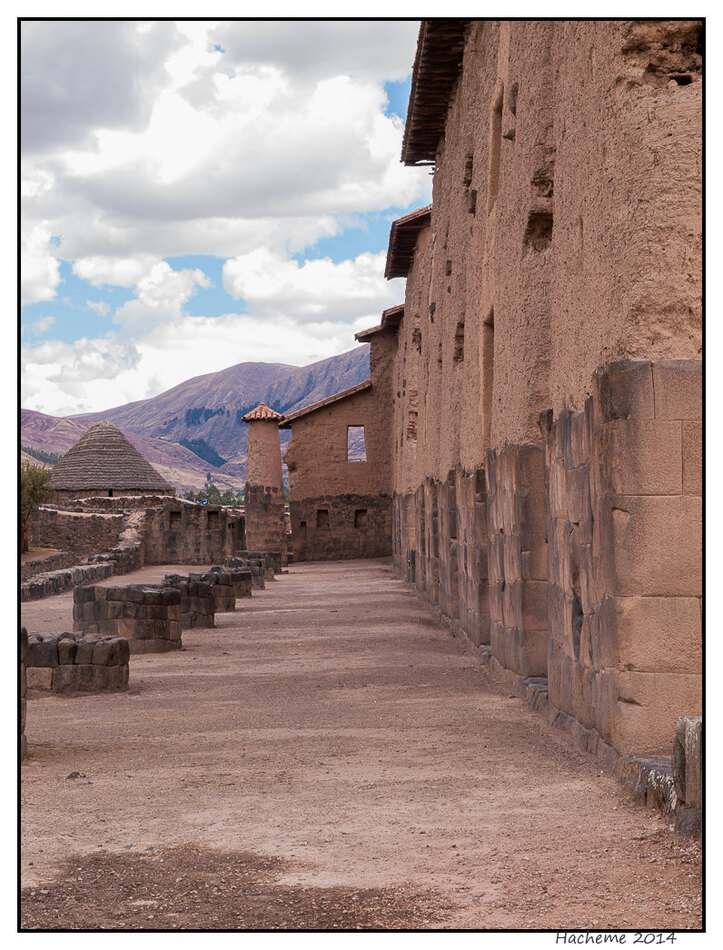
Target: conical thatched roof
x,y
104,459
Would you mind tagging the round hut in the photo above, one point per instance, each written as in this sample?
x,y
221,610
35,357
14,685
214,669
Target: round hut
x,y
103,462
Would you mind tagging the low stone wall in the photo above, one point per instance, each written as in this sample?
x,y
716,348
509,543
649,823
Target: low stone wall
x,y
57,582
23,692
80,532
335,527
185,533
46,565
148,616
198,605
625,532
222,588
69,663
255,565
271,560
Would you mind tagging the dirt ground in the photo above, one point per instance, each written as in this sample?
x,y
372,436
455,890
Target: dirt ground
x,y
328,757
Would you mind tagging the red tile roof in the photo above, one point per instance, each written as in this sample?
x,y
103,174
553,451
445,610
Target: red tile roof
x,y
262,411
391,318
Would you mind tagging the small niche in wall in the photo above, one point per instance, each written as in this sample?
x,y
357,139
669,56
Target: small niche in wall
x,y
302,524
322,518
538,234
356,450
459,342
175,523
360,518
213,520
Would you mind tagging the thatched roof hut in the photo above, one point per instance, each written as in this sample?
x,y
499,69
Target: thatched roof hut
x,y
103,461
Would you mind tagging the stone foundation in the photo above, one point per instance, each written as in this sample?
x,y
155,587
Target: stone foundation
x,y
80,532
624,525
517,558
69,663
148,616
22,712
335,527
266,519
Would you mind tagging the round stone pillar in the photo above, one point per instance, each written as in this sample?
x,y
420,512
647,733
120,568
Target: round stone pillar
x,y
265,522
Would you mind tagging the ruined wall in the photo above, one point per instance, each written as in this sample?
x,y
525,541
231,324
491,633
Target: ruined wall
x,y
22,715
184,533
625,551
82,532
341,508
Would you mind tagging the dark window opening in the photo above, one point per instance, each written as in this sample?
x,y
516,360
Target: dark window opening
x,y
213,520
538,234
488,374
302,524
175,519
322,518
356,450
360,518
110,492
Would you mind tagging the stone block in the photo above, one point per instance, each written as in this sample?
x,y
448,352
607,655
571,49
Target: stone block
x,y
624,390
40,677
646,457
158,645
101,653
648,707
67,648
688,761
692,458
83,595
659,634
534,605
534,558
42,653
656,544
678,389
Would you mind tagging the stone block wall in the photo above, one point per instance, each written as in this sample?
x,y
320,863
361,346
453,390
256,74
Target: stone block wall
x,y
56,582
79,532
71,663
148,616
517,558
625,533
198,605
22,712
471,545
184,533
256,565
330,527
265,518
447,541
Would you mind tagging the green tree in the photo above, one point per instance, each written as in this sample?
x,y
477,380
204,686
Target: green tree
x,y
34,490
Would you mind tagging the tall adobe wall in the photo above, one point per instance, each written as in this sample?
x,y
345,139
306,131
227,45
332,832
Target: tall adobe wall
x,y
564,239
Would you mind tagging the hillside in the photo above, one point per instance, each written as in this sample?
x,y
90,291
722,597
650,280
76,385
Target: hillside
x,y
205,412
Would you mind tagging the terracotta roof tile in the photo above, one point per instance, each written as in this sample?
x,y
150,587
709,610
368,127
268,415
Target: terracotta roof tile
x,y
262,411
104,459
391,318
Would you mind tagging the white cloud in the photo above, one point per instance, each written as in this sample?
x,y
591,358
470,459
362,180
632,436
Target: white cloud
x,y
316,290
161,294
39,268
120,272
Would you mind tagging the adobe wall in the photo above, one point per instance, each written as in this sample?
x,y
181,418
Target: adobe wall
x,y
341,508
624,523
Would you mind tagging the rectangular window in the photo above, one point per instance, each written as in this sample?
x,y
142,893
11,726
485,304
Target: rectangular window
x,y
322,518
213,520
360,518
356,450
175,519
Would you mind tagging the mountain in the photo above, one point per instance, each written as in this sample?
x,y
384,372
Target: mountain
x,y
205,413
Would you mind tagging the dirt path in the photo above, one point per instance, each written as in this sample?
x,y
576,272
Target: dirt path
x,y
328,756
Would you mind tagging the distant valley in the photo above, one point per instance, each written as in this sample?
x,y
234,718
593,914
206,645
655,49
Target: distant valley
x,y
195,428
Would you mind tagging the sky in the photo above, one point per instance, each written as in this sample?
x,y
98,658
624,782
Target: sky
x,y
200,194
